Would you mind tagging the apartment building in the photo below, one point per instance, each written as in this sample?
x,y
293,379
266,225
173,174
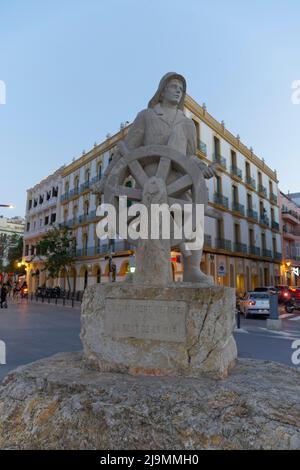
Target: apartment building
x,y
242,251
290,220
42,213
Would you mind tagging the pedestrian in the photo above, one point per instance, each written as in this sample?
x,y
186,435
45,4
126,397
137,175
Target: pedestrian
x,y
3,297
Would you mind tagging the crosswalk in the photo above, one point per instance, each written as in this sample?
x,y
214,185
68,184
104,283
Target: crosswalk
x,y
290,317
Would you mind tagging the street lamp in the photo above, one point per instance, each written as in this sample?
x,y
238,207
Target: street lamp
x,y
9,206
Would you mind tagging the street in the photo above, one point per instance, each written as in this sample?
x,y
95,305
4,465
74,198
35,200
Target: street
x,y
35,330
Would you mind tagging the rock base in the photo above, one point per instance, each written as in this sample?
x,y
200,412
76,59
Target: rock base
x,y
179,330
55,403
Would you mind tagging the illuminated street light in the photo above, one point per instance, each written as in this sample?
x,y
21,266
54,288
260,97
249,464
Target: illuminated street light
x,y
9,206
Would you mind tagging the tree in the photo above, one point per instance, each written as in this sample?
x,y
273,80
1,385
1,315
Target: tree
x,y
58,248
13,252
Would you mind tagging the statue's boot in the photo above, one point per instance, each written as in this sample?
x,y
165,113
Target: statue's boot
x,y
192,271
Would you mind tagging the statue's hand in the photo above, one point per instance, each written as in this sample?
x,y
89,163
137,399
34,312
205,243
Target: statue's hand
x,y
209,171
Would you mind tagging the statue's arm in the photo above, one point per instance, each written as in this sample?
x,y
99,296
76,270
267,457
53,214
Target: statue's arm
x,y
135,136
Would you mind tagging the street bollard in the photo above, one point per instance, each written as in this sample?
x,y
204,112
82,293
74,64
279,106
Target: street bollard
x,y
72,302
238,319
274,322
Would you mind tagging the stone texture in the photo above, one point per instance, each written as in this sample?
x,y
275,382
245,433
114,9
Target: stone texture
x,y
176,330
56,404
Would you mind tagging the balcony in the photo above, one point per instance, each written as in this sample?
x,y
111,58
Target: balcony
x,y
85,218
223,244
290,216
290,234
275,225
65,197
273,198
236,207
235,171
220,160
240,248
252,214
117,246
262,190
89,251
254,250
207,240
221,200
202,147
264,220
85,186
266,253
251,182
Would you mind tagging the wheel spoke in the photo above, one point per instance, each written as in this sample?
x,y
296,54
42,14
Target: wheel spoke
x,y
179,186
181,202
132,193
138,173
163,168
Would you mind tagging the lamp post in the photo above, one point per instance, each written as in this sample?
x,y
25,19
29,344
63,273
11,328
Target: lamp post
x,y
9,206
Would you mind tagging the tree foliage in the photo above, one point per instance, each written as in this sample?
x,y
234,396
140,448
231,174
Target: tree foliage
x,y
14,250
58,248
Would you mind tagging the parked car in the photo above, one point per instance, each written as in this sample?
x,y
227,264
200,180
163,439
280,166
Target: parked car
x,y
268,289
255,303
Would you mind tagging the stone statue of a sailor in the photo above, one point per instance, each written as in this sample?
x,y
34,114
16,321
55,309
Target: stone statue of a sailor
x,y
165,123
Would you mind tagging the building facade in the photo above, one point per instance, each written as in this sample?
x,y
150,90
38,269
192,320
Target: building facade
x,y
42,213
242,251
290,220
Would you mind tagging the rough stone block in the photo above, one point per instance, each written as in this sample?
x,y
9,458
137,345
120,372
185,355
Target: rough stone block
x,y
178,330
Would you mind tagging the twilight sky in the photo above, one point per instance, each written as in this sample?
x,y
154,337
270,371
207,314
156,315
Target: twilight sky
x,y
75,69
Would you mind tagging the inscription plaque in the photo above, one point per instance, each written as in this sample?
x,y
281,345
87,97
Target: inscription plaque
x,y
156,320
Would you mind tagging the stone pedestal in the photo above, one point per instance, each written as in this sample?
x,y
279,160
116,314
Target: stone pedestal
x,y
55,403
274,324
180,330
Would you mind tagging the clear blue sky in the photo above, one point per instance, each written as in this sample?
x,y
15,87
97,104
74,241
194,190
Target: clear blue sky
x,y
75,69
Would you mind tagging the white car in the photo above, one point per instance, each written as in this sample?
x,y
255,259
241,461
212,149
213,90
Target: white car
x,y
255,303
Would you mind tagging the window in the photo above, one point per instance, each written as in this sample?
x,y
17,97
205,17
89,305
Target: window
x,y
76,183
26,250
67,187
28,226
53,218
197,126
217,151
41,199
251,237
47,220
86,207
235,194
237,233
249,202
218,184
29,204
247,169
87,175
233,159
99,170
